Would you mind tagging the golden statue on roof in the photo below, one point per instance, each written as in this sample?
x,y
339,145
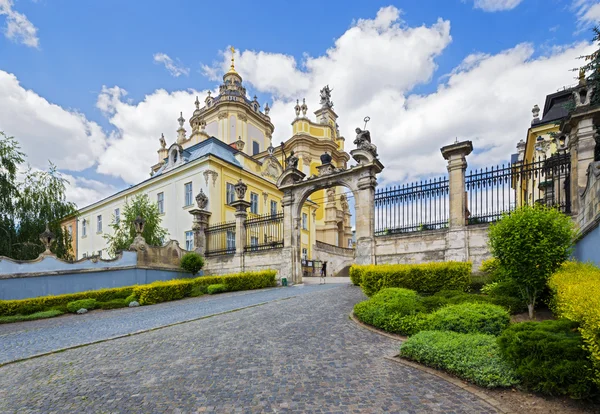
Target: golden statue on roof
x,y
232,67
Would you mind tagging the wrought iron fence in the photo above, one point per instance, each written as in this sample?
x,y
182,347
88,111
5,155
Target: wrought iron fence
x,y
494,191
264,232
412,207
220,239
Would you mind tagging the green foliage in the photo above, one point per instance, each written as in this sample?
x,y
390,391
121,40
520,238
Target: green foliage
x,y
124,231
192,262
478,281
33,316
88,304
530,244
592,66
177,289
469,318
392,309
217,288
549,357
113,304
130,298
355,274
44,303
424,278
198,290
472,357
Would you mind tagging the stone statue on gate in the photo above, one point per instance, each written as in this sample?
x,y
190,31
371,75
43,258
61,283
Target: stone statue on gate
x,y
291,161
363,141
326,97
163,142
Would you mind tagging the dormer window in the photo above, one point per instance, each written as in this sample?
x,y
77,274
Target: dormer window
x,y
174,157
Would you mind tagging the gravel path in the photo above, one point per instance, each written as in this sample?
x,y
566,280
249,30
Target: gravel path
x,y
300,355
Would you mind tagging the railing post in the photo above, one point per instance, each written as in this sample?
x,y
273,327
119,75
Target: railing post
x,y
457,164
241,207
201,217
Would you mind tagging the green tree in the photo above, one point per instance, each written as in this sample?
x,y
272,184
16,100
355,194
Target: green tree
x,y
124,231
530,244
27,206
592,67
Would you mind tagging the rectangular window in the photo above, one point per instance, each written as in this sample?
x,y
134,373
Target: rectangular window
x,y
99,224
188,194
117,216
253,243
99,253
189,240
304,222
84,255
230,193
273,207
84,228
304,253
230,241
254,203
160,200
255,147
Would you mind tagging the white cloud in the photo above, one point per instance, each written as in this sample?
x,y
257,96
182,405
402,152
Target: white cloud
x,y
47,131
132,147
372,69
84,192
176,69
587,12
496,5
18,27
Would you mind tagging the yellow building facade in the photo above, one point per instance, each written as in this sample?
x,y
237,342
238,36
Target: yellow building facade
x,y
230,138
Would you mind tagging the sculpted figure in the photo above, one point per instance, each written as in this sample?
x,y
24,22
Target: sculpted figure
x,y
163,143
363,141
291,161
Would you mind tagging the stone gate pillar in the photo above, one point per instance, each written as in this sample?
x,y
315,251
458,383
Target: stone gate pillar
x,y
581,147
365,218
200,223
241,213
457,164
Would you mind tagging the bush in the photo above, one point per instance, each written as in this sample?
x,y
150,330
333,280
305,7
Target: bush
x,y
44,303
456,297
469,318
392,309
576,289
88,304
33,316
192,262
113,304
492,270
530,244
548,357
355,274
432,303
425,278
472,357
217,288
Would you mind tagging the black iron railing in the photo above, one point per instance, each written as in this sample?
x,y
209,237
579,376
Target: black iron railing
x,y
220,239
264,232
413,207
494,191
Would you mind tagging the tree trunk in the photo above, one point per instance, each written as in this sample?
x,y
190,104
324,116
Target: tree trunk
x,y
530,308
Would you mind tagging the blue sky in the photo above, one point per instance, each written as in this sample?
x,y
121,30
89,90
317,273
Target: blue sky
x,y
69,54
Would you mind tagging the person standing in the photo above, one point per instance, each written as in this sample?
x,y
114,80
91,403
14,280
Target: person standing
x,y
324,269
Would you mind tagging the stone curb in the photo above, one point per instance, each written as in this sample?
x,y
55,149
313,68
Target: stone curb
x,y
56,351
446,377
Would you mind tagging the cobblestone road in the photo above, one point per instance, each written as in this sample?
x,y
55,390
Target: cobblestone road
x,y
297,355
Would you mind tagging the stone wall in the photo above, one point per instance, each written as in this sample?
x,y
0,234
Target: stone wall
x,y
247,262
161,257
337,258
469,243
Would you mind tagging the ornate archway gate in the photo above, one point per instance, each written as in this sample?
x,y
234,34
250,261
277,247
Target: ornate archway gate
x,y
361,179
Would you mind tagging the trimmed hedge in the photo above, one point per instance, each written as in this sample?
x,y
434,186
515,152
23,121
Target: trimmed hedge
x,y
469,318
145,294
218,288
43,303
472,357
33,316
548,357
88,304
424,278
355,274
576,291
393,310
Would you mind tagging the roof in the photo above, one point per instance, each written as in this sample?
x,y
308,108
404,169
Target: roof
x,y
514,158
211,146
555,106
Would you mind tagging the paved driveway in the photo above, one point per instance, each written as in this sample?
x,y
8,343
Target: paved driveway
x,y
300,354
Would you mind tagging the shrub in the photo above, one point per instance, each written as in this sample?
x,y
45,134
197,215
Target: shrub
x,y
530,244
576,289
548,357
492,270
424,278
355,274
434,302
478,281
456,297
469,318
217,288
192,262
88,304
113,304
472,357
393,310
33,316
43,303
